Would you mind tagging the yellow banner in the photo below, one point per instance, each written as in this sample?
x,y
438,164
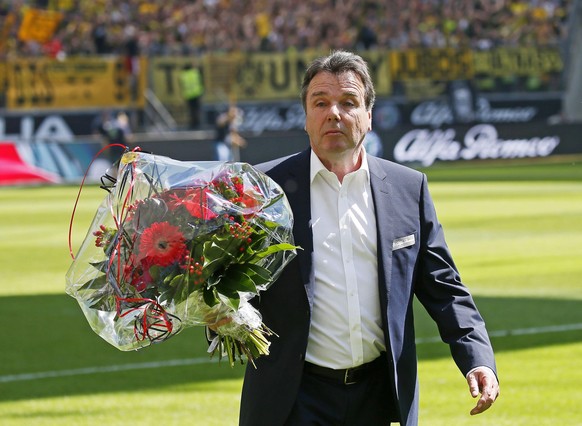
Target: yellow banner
x,y
522,61
3,83
279,76
73,83
452,64
431,64
39,25
268,77
249,77
99,82
164,77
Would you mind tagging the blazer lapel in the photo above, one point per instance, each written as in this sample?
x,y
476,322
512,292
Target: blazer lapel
x,y
384,208
297,188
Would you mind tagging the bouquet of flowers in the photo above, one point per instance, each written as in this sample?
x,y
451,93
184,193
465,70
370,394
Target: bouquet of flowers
x,y
178,244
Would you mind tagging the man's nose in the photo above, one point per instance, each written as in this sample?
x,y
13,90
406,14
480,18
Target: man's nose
x,y
334,113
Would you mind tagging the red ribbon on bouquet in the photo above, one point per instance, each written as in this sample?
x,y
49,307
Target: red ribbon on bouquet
x,y
155,324
83,183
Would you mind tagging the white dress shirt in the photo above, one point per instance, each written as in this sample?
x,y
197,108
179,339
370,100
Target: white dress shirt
x,y
346,326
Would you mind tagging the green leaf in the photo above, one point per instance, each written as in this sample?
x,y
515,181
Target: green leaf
x,y
257,274
210,297
263,273
177,281
100,266
99,294
230,299
180,288
155,272
236,280
105,302
215,256
275,248
95,283
273,200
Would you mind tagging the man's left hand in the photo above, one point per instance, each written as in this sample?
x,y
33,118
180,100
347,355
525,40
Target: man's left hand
x,y
483,381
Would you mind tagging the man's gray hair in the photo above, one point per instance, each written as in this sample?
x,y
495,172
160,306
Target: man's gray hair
x,y
339,62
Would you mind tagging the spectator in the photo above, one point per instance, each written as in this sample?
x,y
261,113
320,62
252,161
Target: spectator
x,y
185,27
228,139
131,59
113,129
192,87
99,34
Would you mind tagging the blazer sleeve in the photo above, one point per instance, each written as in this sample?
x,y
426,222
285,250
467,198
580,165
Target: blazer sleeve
x,y
439,288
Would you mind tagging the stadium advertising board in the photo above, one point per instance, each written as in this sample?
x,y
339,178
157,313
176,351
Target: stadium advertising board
x,y
69,158
440,112
388,114
88,82
416,146
480,142
49,127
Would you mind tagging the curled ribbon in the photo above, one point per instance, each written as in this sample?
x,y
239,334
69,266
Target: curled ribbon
x,y
104,186
154,323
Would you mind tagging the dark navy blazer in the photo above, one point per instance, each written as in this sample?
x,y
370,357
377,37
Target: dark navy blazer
x,y
418,266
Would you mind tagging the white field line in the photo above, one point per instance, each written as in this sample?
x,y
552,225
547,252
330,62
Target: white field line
x,y
105,369
509,333
208,360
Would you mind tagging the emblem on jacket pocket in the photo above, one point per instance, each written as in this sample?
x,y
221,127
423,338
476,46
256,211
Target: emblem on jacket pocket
x,y
407,241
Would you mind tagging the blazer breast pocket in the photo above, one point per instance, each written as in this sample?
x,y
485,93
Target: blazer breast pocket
x,y
403,242
404,253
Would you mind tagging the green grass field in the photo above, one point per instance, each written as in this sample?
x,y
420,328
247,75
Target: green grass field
x,y
515,231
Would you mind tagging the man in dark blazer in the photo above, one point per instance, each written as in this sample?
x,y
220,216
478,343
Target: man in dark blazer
x,y
343,308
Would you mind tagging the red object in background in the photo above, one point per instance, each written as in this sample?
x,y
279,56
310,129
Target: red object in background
x,y
14,171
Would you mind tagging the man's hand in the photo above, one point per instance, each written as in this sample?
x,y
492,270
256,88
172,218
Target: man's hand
x,y
482,381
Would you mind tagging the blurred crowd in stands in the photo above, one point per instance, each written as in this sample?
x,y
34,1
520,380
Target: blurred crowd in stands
x,y
186,27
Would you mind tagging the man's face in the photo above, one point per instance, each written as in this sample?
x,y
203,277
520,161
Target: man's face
x,y
336,117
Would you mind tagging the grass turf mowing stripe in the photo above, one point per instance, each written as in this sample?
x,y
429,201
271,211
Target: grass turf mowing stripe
x,y
205,360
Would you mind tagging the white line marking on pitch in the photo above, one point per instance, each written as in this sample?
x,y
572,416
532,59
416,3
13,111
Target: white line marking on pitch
x,y
207,360
104,369
516,332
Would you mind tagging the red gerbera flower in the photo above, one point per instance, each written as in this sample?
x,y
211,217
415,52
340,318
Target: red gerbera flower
x,y
162,244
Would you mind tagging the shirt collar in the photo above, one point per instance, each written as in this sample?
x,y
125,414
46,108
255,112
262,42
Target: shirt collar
x,y
316,166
